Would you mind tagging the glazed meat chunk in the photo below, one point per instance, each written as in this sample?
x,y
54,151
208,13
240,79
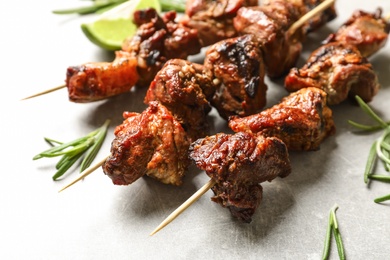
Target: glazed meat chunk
x,y
367,31
157,40
99,80
338,69
269,23
184,88
238,66
238,163
152,143
213,19
301,120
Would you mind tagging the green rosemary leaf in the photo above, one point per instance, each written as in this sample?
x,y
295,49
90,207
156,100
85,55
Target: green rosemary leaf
x,y
339,243
382,199
377,177
371,160
325,254
370,112
52,142
66,165
61,147
74,150
94,149
83,10
336,231
370,128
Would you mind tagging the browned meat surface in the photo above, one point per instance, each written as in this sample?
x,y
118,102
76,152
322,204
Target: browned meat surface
x,y
269,23
238,164
157,40
152,143
213,19
301,120
367,31
184,88
338,69
305,6
238,66
99,80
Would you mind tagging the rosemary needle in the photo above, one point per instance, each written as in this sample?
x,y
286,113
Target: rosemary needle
x,y
381,199
333,227
87,146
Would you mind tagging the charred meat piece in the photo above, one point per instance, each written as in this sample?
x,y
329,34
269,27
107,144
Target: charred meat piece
x,y
367,31
301,120
307,5
338,69
269,23
238,66
213,19
157,40
152,143
99,80
184,88
238,164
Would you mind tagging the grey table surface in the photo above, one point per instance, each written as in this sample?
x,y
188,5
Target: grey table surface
x,y
95,219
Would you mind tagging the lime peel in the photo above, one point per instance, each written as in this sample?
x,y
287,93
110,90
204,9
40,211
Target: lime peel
x,y
111,28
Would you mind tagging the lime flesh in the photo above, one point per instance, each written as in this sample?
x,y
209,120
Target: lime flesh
x,y
110,32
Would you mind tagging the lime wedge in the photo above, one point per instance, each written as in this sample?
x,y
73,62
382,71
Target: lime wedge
x,y
111,28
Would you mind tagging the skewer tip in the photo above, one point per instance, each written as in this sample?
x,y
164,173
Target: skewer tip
x,y
44,92
84,174
184,206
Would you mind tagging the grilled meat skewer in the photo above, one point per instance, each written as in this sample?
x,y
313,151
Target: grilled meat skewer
x,y
238,163
340,66
301,120
157,40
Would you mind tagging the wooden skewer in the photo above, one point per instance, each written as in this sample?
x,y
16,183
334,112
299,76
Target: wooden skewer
x,y
85,173
211,183
45,92
185,205
320,8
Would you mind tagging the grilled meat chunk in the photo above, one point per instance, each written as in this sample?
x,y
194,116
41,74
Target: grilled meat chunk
x,y
99,80
152,143
367,31
184,88
238,66
269,23
340,70
301,120
213,19
157,40
238,164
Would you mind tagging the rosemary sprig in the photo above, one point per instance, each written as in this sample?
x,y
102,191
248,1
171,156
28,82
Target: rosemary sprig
x,y
105,5
381,147
72,151
333,227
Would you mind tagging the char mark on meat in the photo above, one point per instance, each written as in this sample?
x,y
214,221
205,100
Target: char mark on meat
x,y
184,88
157,40
301,120
269,23
239,69
152,143
238,163
340,70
